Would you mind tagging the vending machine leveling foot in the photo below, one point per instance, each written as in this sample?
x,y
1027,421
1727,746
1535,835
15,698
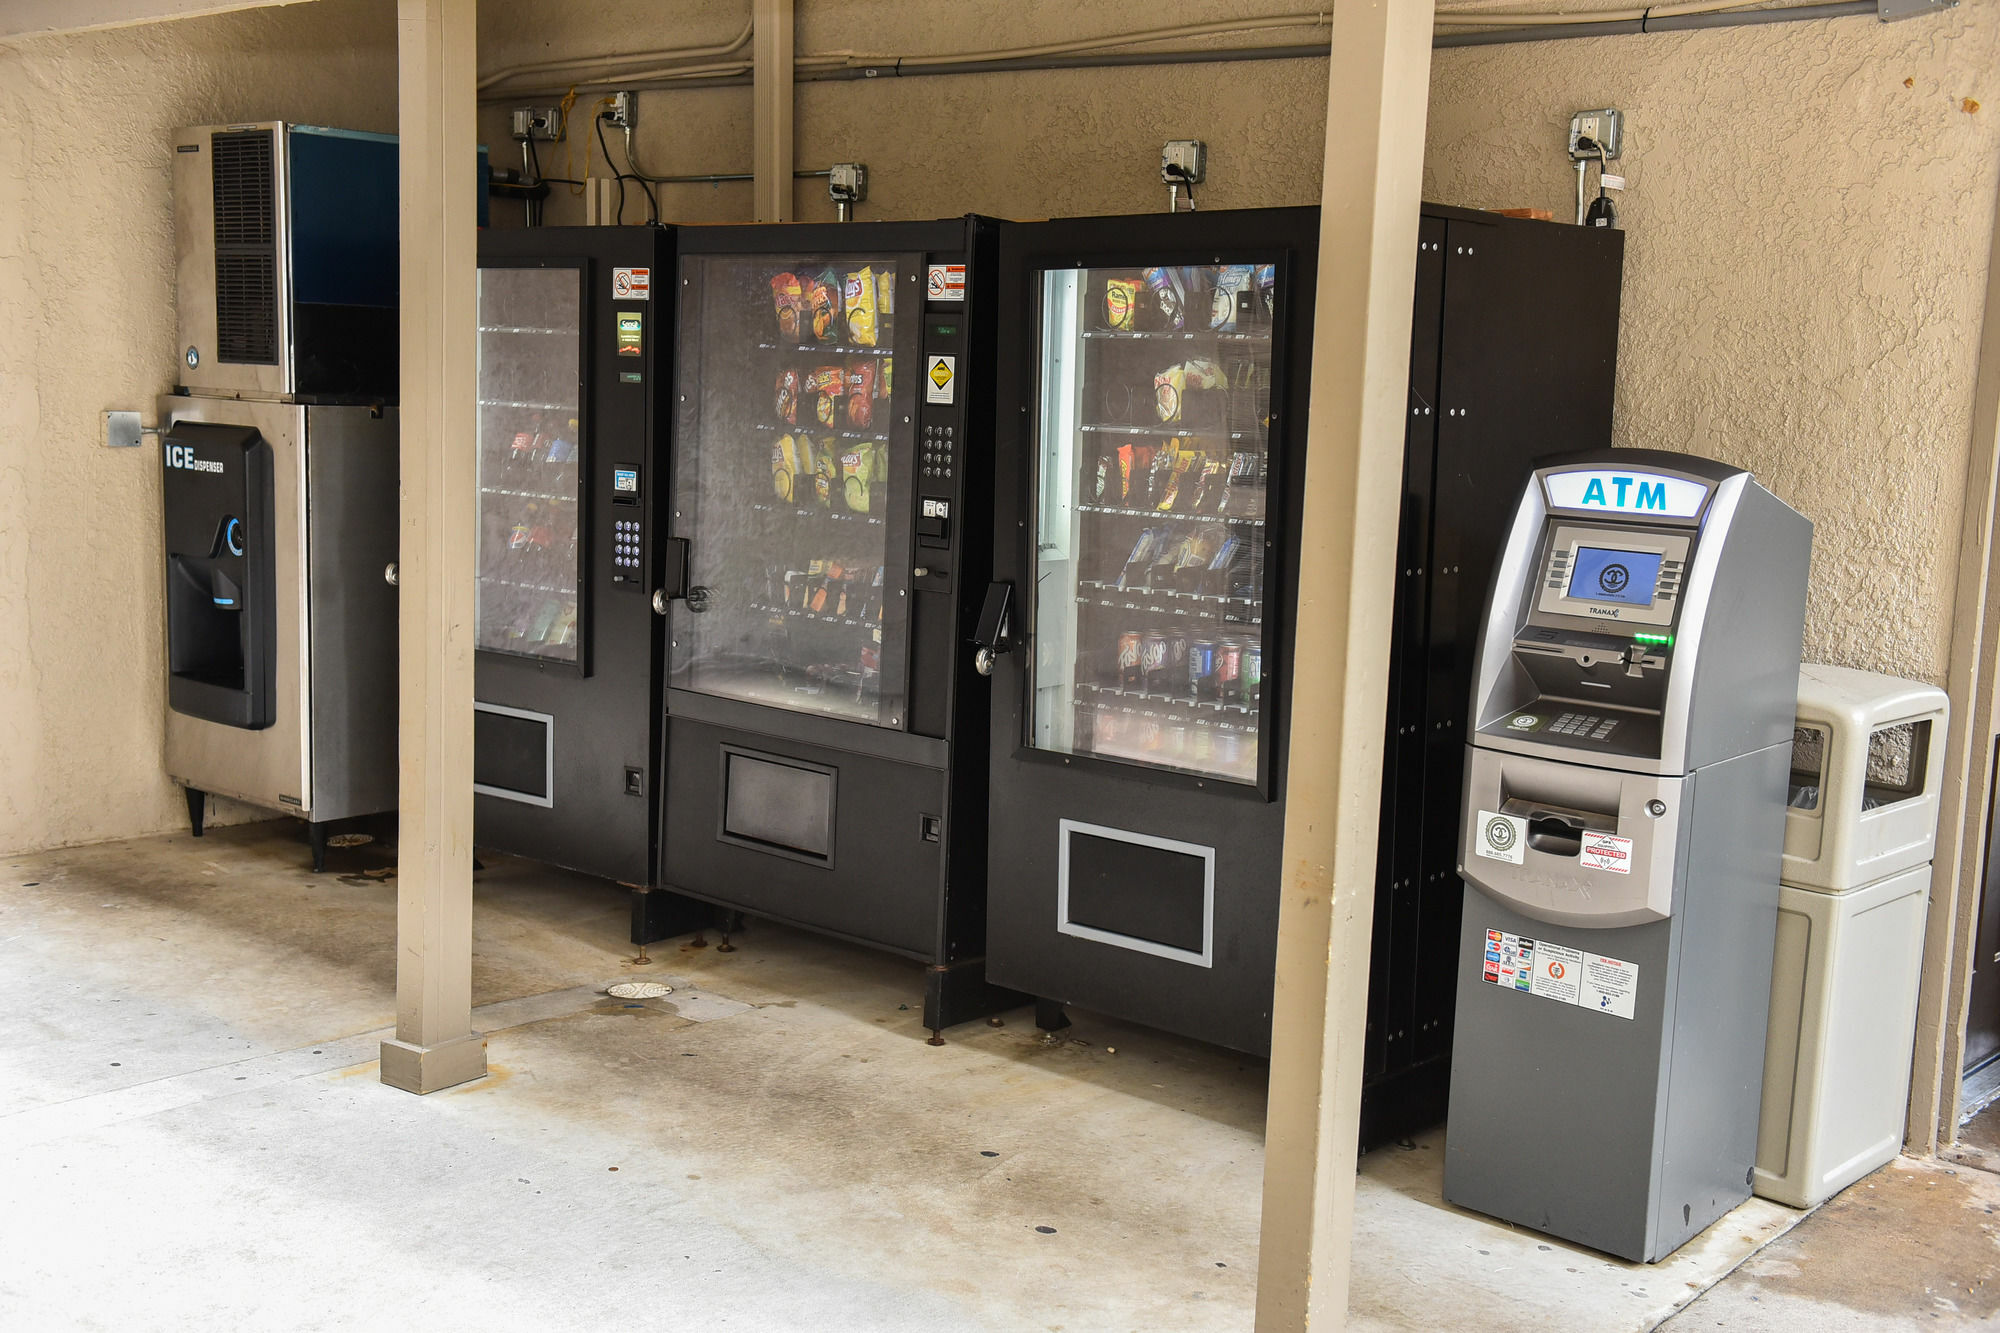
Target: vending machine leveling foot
x,y
197,802
316,835
1049,1016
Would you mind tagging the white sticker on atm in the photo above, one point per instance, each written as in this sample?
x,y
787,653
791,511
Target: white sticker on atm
x,y
1502,837
1606,851
1609,985
1560,973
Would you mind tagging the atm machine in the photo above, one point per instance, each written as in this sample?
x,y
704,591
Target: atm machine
x,y
1624,820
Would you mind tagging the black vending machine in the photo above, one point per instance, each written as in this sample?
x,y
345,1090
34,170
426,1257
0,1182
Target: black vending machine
x,y
574,368
1153,381
829,535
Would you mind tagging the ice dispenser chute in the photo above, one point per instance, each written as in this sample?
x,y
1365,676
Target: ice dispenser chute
x,y
221,575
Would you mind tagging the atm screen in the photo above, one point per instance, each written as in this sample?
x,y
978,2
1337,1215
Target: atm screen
x,y
1604,574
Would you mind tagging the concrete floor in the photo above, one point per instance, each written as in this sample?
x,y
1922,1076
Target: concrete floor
x,y
193,1135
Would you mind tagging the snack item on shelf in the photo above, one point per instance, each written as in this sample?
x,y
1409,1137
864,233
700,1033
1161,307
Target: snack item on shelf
x,y
1168,386
1184,460
795,586
1251,679
1208,486
788,295
1158,475
1232,282
1143,550
1242,494
861,392
857,469
1201,548
1201,374
1169,296
1108,464
791,459
1121,302
1267,288
1172,547
878,485
888,367
825,474
823,300
788,396
860,297
826,385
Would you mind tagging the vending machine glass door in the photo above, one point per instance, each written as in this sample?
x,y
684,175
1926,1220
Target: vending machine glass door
x,y
1153,464
792,481
531,462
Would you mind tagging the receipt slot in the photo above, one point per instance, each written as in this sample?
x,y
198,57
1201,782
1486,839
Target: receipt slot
x,y
1624,819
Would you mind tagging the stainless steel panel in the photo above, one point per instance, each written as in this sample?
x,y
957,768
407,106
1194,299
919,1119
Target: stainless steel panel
x,y
270,767
352,528
194,286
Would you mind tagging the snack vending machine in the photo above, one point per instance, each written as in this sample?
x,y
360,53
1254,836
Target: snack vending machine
x,y
829,533
1153,379
573,369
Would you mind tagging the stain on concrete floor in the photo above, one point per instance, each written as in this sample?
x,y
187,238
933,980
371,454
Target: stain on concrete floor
x,y
1915,1245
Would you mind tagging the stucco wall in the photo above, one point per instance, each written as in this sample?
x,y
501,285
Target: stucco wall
x,y
86,323
1807,237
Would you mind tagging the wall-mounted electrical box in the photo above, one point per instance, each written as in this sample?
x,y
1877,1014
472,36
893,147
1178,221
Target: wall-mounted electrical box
x,y
1605,126
1184,160
543,124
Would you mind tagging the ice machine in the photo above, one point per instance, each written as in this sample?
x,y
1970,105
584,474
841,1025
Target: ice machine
x,y
1624,819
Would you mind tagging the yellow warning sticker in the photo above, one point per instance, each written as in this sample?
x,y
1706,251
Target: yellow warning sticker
x,y
942,371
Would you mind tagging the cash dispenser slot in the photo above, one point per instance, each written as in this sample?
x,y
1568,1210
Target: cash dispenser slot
x,y
1558,830
221,574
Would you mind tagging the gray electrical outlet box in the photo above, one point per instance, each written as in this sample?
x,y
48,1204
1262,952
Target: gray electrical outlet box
x,y
847,182
543,123
1606,126
624,107
1184,160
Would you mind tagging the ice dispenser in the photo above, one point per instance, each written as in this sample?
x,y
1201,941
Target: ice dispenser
x,y
1624,818
221,577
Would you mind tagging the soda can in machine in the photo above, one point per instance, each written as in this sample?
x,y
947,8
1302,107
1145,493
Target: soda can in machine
x,y
1130,676
1104,731
1228,748
1153,661
1228,668
1252,684
1201,667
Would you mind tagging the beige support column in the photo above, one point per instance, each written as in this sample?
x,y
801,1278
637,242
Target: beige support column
x,y
1378,92
1970,681
771,121
435,1046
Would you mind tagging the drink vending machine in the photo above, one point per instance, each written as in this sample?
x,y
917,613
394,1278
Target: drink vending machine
x,y
575,325
1153,386
1623,826
828,537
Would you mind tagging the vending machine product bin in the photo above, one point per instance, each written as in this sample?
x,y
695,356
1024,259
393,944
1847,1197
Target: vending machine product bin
x,y
1624,818
828,538
1860,830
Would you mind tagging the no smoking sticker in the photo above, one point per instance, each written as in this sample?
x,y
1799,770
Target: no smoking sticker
x,y
946,282
631,284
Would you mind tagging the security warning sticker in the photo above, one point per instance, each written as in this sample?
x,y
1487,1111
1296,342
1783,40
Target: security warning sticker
x,y
941,374
1557,972
946,282
1609,985
631,333
1606,851
631,284
1501,837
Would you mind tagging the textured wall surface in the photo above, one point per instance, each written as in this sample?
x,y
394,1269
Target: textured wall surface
x,y
1807,238
87,323
1028,145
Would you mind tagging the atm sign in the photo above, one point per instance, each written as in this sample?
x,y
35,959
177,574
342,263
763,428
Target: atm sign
x,y
1616,492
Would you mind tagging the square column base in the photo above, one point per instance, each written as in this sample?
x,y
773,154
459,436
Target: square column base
x,y
422,1069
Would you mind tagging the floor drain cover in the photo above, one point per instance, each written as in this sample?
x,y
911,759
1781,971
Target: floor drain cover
x,y
640,990
350,840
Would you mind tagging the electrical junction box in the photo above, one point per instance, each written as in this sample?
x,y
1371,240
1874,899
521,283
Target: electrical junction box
x,y
1605,126
544,124
1184,160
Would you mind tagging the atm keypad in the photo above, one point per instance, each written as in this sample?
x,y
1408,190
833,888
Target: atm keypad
x,y
1583,726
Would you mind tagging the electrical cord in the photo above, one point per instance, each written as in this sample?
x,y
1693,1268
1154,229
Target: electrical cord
x,y
535,162
653,204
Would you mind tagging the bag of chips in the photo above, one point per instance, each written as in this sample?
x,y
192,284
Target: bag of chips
x,y
1169,296
857,470
784,468
1231,283
825,471
1121,302
789,297
788,397
1168,386
823,299
860,297
861,393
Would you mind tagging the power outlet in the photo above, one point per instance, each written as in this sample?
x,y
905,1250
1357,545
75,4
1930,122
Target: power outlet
x,y
541,123
623,107
1605,126
1184,161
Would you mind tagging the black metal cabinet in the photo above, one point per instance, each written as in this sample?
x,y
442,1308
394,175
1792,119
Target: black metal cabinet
x,y
1134,867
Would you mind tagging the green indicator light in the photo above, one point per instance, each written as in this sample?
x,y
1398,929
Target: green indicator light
x,y
1653,638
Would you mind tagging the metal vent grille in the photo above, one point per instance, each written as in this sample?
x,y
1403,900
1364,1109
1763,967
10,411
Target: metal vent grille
x,y
246,249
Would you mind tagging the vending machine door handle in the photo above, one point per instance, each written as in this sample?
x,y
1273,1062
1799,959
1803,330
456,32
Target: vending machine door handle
x,y
991,633
675,588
